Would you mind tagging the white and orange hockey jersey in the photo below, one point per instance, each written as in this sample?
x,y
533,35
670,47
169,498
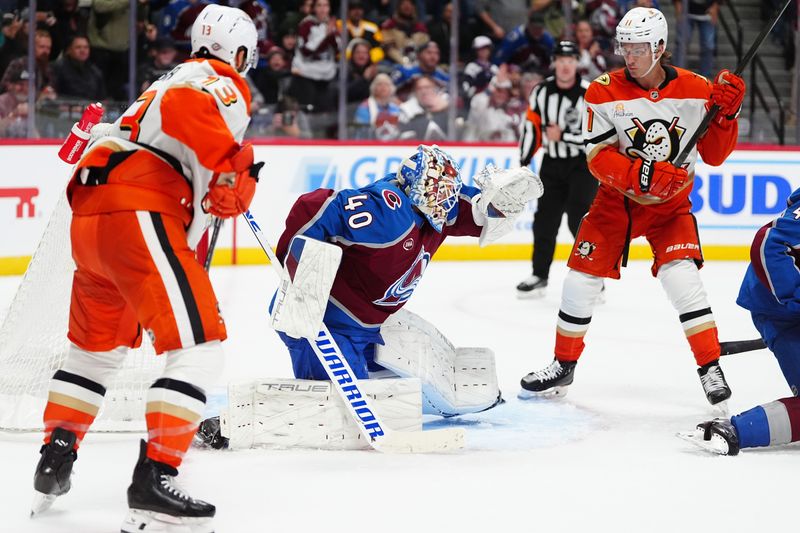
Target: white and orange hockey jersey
x,y
653,124
161,154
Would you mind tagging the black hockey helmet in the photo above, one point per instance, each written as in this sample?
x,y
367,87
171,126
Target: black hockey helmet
x,y
566,48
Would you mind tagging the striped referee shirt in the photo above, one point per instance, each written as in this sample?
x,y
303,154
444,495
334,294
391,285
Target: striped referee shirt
x,y
550,105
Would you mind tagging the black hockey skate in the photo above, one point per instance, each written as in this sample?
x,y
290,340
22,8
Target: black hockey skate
x,y
714,384
52,477
209,435
552,380
157,503
532,287
716,436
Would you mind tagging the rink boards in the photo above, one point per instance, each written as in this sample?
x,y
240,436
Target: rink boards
x,y
730,202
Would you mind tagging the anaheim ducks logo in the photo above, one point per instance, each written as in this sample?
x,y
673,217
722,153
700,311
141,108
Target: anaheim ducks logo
x,y
655,140
401,290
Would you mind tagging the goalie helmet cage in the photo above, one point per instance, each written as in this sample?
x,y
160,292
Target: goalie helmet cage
x,y
33,343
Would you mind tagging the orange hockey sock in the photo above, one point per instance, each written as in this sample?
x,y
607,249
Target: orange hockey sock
x,y
72,404
174,409
569,336
704,344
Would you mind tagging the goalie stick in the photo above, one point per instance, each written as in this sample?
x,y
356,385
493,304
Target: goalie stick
x,y
712,112
380,437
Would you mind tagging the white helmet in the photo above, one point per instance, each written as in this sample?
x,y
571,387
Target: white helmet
x,y
223,31
642,25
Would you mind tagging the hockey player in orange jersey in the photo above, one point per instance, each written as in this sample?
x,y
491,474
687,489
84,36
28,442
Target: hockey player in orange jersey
x,y
139,198
637,121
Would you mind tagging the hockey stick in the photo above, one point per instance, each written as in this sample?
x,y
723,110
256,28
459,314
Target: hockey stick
x,y
379,436
732,347
712,112
212,243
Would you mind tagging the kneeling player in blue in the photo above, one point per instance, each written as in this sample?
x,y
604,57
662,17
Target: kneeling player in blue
x,y
388,232
771,292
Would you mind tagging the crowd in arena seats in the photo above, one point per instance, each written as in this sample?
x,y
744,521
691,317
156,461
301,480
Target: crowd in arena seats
x,y
398,79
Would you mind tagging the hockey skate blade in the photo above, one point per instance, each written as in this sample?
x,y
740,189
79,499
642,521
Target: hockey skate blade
x,y
41,502
432,441
549,394
139,520
531,295
716,445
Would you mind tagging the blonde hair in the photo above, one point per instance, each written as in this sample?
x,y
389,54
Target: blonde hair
x,y
385,78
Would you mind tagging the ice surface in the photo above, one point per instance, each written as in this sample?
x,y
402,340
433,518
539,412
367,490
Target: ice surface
x,y
604,458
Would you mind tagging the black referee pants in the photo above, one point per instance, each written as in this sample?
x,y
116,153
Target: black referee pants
x,y
569,188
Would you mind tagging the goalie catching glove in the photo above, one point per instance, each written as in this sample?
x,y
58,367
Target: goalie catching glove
x,y
504,194
230,193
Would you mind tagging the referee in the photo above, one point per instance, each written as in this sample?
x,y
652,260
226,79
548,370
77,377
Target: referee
x,y
553,121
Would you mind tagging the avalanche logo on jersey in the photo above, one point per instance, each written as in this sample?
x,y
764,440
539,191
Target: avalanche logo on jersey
x,y
402,289
655,140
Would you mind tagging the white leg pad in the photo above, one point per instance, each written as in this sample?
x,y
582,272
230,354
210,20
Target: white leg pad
x,y
294,413
454,380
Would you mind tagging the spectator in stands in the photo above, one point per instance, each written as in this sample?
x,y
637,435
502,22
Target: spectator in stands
x,y
293,19
289,120
440,31
529,45
314,63
527,83
403,33
108,33
490,119
427,65
273,80
75,76
591,62
70,20
14,104
42,44
258,10
378,116
181,31
553,13
359,28
15,39
361,70
289,44
162,62
480,71
501,16
703,15
168,16
424,116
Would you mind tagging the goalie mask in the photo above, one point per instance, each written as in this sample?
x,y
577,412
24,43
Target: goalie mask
x,y
431,180
223,32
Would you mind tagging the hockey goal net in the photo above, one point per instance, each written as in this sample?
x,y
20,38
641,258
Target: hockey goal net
x,y
33,342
